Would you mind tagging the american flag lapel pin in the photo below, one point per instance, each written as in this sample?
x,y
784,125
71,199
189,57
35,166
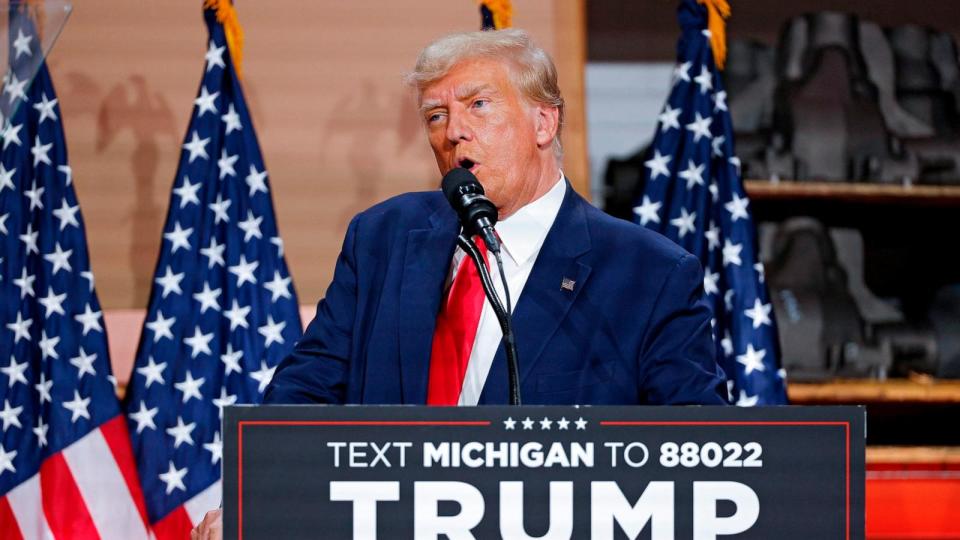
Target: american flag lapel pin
x,y
567,284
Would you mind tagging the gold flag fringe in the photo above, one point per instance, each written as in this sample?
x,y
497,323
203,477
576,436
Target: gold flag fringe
x,y
227,16
717,11
502,11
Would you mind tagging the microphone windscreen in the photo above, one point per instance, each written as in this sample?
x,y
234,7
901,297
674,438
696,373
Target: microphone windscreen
x,y
453,181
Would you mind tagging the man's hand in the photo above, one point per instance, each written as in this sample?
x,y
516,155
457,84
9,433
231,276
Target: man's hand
x,y
211,528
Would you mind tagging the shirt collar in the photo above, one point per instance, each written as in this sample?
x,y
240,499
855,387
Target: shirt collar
x,y
522,234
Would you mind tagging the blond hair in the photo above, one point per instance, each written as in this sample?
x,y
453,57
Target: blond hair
x,y
532,70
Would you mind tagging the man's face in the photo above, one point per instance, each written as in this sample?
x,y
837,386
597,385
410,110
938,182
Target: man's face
x,y
478,120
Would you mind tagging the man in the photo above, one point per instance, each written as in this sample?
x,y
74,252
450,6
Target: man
x,y
606,312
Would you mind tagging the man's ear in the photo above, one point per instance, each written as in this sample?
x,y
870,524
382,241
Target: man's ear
x,y
548,124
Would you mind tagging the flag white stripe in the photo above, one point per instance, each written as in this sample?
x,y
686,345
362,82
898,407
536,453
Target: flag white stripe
x,y
103,487
203,502
28,510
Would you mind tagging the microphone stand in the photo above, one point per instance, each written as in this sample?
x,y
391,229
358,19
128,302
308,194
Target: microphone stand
x,y
504,316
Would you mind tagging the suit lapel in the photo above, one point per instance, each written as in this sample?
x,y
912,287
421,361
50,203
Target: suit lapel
x,y
426,263
544,303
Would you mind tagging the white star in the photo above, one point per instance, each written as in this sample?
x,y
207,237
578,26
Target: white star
x,y
257,180
728,299
84,363
782,374
737,207
237,315
279,287
6,460
214,253
219,208
25,282
11,134
178,237
669,118
563,423
693,174
20,327
714,191
22,44
760,273
658,165
48,345
78,407
181,432
207,298
161,327
40,152
89,319
215,448
53,303
263,375
735,161
224,400
232,119
648,211
41,432
214,56
713,236
752,360
226,162
170,282
65,169
205,102
277,241
43,388
188,192
704,80
759,313
244,271
6,178
34,194
700,127
16,88
684,222
88,275
190,387
3,218
199,342
153,372
581,423
10,415
60,259
29,238
251,226
67,214
717,144
682,72
144,417
174,478
710,282
231,359
46,108
14,372
731,252
527,423
197,147
720,101
747,401
545,423
271,331
510,423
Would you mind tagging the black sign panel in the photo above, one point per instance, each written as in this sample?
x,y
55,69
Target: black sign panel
x,y
544,472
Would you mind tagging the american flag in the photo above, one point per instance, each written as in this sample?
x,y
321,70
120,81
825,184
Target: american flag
x,y
694,195
222,312
66,467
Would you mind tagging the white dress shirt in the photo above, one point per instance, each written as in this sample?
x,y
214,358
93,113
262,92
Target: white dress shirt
x,y
522,236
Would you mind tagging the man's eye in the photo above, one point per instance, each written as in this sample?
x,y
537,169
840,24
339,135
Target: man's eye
x,y
480,103
435,117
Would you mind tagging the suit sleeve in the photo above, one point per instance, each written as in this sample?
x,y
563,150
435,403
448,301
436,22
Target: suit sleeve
x,y
316,370
679,363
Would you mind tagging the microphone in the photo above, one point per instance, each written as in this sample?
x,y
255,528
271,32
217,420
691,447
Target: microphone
x,y
477,214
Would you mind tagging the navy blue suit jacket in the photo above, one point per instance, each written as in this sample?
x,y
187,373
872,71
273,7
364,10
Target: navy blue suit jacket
x,y
635,328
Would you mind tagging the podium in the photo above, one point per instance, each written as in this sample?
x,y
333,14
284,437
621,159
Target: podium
x,y
344,472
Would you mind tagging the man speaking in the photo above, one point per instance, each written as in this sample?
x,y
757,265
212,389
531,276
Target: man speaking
x,y
606,311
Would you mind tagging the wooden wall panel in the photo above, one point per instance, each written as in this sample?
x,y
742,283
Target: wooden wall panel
x,y
323,81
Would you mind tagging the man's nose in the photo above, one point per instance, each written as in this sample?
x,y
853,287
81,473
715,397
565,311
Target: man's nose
x,y
458,127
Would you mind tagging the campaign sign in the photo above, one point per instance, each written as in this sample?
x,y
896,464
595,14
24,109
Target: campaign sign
x,y
368,472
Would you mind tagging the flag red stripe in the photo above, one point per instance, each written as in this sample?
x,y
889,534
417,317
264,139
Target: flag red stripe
x,y
8,523
174,526
63,505
118,439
